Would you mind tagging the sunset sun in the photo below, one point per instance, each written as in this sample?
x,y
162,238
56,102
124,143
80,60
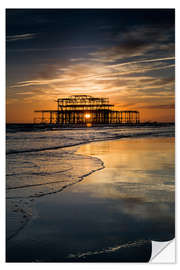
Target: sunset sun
x,y
87,115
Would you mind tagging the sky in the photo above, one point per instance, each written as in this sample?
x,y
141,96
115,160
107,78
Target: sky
x,y
127,55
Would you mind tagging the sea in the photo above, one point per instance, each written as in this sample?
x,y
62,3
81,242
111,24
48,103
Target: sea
x,y
46,162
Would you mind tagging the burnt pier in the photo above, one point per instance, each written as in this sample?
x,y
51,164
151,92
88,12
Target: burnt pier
x,y
80,110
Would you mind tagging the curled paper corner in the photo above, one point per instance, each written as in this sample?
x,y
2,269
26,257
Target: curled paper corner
x,y
163,252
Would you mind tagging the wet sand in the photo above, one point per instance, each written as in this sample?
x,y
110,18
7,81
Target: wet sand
x,y
112,215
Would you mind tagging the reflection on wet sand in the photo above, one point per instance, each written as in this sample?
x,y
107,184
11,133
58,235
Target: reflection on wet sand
x,y
142,169
138,180
113,214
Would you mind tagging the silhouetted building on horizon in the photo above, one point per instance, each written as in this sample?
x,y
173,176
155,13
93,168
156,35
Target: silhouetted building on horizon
x,y
85,110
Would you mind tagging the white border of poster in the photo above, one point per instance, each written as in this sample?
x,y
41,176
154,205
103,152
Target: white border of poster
x,y
167,255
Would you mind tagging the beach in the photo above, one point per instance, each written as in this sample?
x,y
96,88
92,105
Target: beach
x,y
89,195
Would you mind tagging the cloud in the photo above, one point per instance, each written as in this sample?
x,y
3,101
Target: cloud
x,y
20,37
137,41
100,73
146,61
124,79
159,106
120,83
122,50
49,49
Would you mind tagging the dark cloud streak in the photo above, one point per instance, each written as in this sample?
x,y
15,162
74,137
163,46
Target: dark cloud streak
x,y
20,37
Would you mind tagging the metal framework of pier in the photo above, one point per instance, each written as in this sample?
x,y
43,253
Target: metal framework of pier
x,y
86,110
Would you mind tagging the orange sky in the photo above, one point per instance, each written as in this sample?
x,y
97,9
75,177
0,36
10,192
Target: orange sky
x,y
23,113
